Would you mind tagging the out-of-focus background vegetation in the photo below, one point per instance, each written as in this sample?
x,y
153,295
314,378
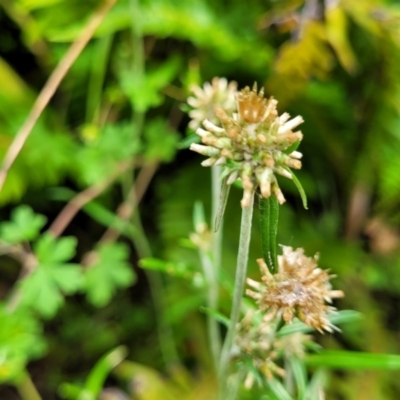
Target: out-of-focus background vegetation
x,y
117,122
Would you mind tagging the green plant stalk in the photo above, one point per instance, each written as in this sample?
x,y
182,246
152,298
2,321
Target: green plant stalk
x,y
100,54
233,390
157,290
138,65
240,278
215,199
27,389
214,336
288,379
139,239
211,269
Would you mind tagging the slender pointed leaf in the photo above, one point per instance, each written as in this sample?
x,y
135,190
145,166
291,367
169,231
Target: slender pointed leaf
x,y
225,188
315,389
300,189
292,148
278,390
300,376
215,314
354,360
199,218
98,375
338,318
269,216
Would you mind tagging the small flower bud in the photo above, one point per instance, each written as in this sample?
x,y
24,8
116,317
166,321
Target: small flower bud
x,y
204,150
232,177
212,128
209,162
288,126
296,154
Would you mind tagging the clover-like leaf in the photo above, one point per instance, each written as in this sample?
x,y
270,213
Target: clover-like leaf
x,y
110,272
144,91
25,225
115,143
50,250
161,141
43,289
20,341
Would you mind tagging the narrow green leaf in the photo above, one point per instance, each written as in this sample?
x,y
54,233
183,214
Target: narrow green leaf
x,y
269,216
315,389
199,218
71,392
353,360
223,200
292,148
188,140
300,189
98,375
181,269
154,264
215,314
107,218
338,318
278,390
300,376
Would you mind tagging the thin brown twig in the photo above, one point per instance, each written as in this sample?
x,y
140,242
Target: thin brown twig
x,y
135,195
51,86
29,263
125,210
71,209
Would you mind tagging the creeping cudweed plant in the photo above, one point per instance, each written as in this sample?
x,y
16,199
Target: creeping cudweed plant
x,y
247,141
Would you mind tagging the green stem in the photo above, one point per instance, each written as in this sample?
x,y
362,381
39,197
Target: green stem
x,y
288,379
157,289
241,270
212,303
100,56
233,389
27,389
211,269
158,294
138,65
215,199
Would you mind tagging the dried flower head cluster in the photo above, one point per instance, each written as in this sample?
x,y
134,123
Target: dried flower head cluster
x,y
253,144
256,340
299,289
219,93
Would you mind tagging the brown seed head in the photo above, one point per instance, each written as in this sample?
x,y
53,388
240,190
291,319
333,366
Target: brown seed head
x,y
299,289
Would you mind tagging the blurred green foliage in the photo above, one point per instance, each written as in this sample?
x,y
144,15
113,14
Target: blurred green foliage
x,y
335,63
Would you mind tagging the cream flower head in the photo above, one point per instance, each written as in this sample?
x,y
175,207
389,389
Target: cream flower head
x,y
252,145
219,93
299,288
